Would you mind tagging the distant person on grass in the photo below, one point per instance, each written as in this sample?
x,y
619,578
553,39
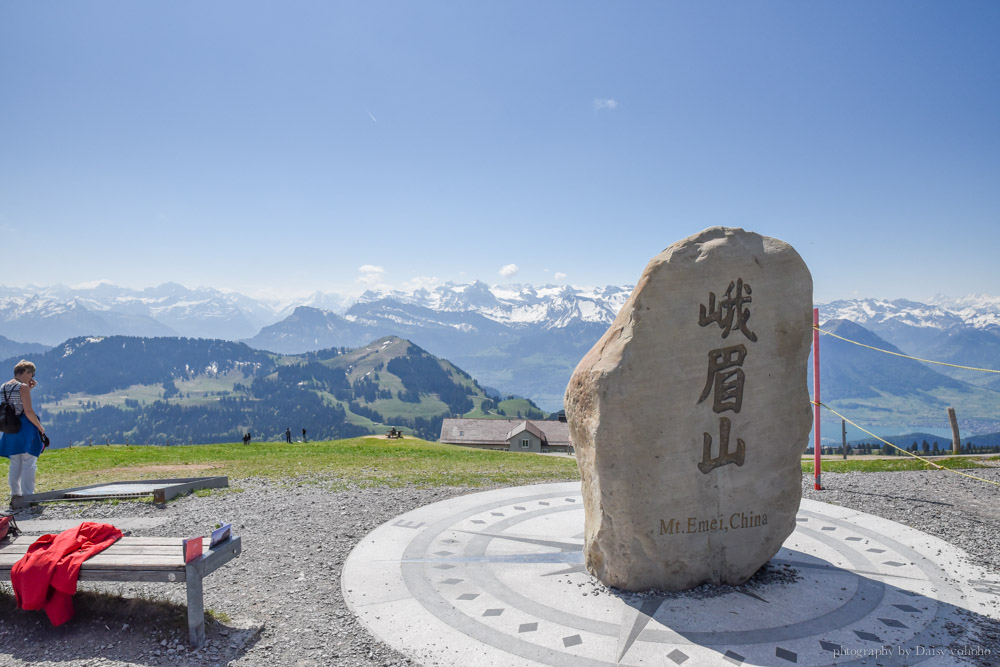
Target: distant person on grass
x,y
24,447
288,435
304,435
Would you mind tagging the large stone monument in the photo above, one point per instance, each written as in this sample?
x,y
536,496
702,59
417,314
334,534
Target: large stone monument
x,y
690,415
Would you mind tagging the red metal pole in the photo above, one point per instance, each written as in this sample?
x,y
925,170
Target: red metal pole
x,y
816,446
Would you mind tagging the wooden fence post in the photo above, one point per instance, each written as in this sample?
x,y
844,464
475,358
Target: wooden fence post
x,y
817,450
843,433
956,442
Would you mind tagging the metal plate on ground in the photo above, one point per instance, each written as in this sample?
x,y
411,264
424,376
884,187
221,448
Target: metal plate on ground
x,y
122,490
497,578
161,490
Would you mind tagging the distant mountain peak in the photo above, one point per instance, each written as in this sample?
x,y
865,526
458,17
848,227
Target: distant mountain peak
x,y
896,312
857,333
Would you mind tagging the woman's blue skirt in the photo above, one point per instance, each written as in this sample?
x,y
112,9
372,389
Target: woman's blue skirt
x,y
26,441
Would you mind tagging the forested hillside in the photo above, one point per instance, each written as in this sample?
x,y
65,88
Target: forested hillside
x,y
97,365
181,390
10,348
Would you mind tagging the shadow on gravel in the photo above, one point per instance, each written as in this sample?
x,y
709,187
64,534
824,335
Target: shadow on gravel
x,y
137,630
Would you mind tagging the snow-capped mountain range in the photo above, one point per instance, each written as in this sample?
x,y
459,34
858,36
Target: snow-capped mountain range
x,y
977,311
50,315
517,338
550,306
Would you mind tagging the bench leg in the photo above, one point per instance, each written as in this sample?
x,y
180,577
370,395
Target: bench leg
x,y
196,610
195,572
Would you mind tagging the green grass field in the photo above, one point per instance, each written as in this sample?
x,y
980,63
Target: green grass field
x,y
140,392
358,462
894,464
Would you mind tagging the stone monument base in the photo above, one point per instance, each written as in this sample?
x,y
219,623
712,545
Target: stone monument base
x,y
497,578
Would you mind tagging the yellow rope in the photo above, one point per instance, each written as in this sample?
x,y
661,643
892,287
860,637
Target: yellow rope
x,y
905,356
928,462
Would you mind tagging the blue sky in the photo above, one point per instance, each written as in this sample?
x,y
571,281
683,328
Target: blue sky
x,y
301,146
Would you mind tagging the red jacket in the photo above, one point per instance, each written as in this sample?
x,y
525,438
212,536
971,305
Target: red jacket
x,y
45,577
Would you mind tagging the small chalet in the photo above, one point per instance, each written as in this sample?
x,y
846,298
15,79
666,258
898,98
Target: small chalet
x,y
515,435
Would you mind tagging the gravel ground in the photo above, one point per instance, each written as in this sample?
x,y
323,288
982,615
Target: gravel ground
x,y
280,601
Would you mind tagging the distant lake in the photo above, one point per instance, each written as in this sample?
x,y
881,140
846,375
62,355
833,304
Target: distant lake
x,y
831,434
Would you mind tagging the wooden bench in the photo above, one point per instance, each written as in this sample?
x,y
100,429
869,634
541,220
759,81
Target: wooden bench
x,y
144,559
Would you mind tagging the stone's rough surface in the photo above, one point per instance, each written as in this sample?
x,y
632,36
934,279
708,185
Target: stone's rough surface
x,y
691,413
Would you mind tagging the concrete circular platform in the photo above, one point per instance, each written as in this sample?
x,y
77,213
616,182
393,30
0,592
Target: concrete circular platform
x,y
497,578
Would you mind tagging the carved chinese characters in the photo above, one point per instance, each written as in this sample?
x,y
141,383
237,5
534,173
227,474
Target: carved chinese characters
x,y
690,415
725,374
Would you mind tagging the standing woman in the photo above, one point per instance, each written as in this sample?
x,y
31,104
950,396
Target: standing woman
x,y
24,447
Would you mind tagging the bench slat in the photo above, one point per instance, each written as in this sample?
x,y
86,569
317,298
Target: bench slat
x,y
130,574
137,549
24,541
122,560
142,553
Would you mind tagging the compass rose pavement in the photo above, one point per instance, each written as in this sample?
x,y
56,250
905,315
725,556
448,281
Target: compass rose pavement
x,y
498,578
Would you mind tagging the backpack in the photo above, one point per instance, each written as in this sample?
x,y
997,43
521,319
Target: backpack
x,y
8,525
9,421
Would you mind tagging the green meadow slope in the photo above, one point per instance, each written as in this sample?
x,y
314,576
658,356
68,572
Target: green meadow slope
x,y
190,391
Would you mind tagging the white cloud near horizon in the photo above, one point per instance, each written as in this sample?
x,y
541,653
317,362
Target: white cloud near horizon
x,y
92,284
508,271
421,282
559,275
605,103
370,275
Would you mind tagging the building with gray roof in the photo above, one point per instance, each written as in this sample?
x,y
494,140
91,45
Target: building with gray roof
x,y
515,435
